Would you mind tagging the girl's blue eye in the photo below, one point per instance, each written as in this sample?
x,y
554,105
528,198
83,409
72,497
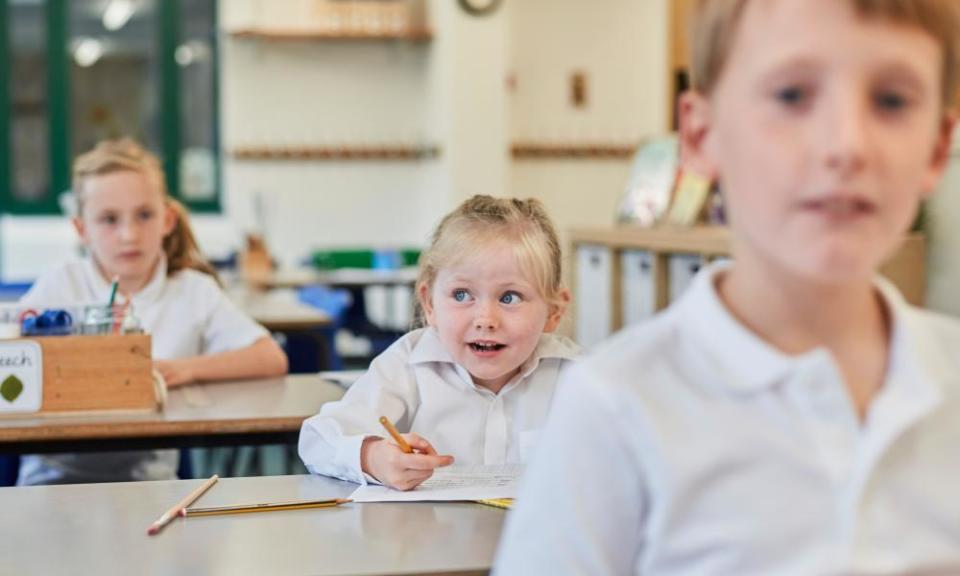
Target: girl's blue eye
x,y
510,298
460,295
145,215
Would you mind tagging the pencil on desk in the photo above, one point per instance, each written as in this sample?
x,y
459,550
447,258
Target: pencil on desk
x,y
505,503
396,435
179,507
265,507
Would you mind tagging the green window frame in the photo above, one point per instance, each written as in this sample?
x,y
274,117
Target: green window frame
x,y
58,98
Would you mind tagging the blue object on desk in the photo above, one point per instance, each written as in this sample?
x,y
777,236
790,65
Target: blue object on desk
x,y
52,322
387,259
312,352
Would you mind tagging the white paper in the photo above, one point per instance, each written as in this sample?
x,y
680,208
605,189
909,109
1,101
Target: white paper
x,y
452,483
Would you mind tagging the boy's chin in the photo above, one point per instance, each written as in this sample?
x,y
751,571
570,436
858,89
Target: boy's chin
x,y
837,272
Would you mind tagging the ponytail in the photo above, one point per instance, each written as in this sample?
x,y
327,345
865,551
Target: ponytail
x,y
180,245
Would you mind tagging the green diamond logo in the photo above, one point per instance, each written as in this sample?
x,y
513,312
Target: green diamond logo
x,y
11,388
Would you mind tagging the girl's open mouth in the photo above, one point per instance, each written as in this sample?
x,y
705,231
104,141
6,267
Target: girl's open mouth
x,y
486,346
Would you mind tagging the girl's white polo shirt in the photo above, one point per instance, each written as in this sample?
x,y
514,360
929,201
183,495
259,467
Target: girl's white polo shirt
x,y
687,445
186,315
418,386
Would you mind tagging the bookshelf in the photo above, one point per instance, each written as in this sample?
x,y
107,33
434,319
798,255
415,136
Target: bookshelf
x,y
906,269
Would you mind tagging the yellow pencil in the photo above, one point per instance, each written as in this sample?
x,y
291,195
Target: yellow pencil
x,y
396,435
179,507
265,507
505,503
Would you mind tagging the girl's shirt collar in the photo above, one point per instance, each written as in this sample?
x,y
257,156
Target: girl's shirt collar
x,y
149,293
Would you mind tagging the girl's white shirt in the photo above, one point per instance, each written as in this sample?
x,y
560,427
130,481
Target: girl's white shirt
x,y
417,385
687,445
186,315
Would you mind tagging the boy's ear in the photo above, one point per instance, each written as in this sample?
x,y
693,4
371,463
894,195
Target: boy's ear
x,y
79,227
941,154
557,310
423,295
696,123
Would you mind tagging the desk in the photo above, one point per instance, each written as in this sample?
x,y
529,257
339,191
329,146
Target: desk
x,y
267,411
101,529
342,278
279,310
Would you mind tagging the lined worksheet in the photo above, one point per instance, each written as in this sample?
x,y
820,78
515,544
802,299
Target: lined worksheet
x,y
451,483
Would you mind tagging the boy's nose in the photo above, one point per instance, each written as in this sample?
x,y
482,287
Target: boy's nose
x,y
846,134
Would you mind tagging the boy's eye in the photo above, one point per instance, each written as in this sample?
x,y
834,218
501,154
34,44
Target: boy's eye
x,y
510,298
460,295
890,101
109,219
792,95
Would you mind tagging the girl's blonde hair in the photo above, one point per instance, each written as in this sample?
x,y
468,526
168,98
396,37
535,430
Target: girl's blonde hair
x,y
483,219
714,23
125,155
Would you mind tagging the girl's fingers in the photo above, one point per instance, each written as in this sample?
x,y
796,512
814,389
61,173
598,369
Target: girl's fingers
x,y
425,461
420,444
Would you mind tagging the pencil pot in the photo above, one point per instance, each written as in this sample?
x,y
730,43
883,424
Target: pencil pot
x,y
106,319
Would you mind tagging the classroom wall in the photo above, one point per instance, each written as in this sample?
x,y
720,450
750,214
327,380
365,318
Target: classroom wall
x,y
479,85
447,92
622,50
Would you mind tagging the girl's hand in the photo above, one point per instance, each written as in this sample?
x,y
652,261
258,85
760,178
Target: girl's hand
x,y
386,462
175,372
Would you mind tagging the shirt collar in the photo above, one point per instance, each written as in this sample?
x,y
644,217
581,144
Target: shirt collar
x,y
727,341
747,363
430,349
149,293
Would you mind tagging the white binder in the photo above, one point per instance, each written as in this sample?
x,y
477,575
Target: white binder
x,y
638,286
683,267
594,294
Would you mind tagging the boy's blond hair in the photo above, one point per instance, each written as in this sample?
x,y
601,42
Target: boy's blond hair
x,y
480,220
126,155
714,24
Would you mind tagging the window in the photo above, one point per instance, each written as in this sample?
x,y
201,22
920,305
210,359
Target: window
x,y
79,71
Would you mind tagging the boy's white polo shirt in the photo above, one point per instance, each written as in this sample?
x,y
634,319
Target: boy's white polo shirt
x,y
689,446
418,386
186,315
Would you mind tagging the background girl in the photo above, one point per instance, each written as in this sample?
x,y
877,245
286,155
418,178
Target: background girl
x,y
135,233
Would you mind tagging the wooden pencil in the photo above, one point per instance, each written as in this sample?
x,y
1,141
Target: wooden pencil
x,y
396,435
505,503
264,507
179,507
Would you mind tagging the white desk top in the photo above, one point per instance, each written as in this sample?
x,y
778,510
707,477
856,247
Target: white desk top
x,y
101,529
346,277
279,310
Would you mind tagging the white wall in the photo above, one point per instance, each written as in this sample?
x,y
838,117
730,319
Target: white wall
x,y
446,92
621,46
